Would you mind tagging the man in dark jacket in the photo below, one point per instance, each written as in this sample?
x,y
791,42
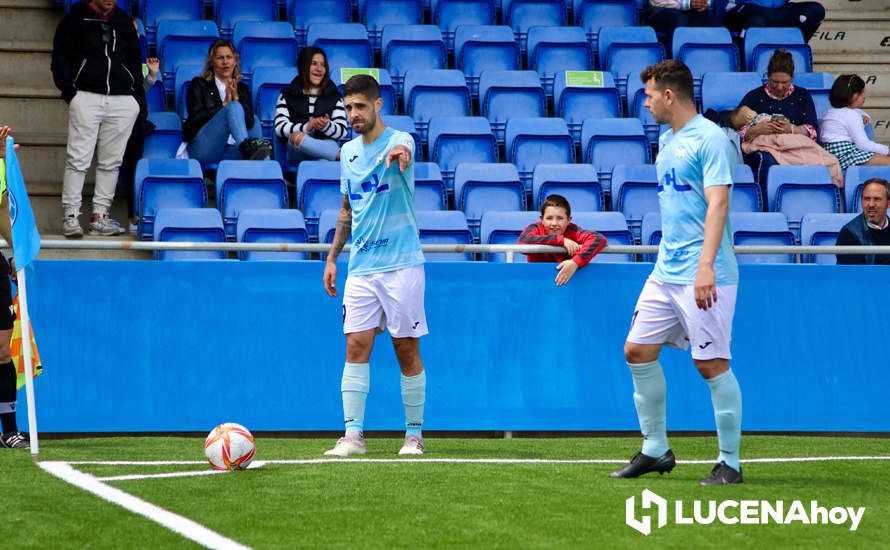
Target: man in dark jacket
x,y
97,66
871,228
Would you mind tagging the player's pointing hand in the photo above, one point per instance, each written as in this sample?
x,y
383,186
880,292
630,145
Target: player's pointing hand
x,y
400,154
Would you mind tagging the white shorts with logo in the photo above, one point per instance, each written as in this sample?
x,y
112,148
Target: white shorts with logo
x,y
392,300
667,314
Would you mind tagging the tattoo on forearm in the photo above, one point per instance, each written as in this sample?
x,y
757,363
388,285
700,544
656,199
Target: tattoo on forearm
x,y
343,230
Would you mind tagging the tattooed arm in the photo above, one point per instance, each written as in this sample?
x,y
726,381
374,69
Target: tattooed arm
x,y
341,236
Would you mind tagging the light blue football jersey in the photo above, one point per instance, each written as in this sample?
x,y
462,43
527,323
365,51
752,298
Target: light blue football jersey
x,y
384,228
698,156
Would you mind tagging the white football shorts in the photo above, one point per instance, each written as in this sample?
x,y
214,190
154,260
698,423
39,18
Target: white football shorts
x,y
392,300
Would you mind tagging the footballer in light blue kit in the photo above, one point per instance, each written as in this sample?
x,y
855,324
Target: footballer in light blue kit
x,y
689,299
385,285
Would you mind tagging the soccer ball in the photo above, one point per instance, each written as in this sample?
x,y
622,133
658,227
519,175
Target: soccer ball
x,y
229,446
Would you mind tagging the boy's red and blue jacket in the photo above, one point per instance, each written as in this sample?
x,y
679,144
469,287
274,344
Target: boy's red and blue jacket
x,y
591,243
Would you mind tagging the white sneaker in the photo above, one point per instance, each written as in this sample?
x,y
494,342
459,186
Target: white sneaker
x,y
413,445
347,446
71,228
105,226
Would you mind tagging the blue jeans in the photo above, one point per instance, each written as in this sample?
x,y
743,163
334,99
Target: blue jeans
x,y
211,143
310,149
750,15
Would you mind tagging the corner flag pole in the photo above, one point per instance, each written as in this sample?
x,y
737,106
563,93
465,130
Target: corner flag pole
x,y
29,368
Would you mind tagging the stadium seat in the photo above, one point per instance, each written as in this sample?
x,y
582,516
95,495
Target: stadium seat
x,y
627,50
761,42
504,227
165,183
407,47
327,225
153,11
345,44
819,85
430,93
451,14
635,193
379,14
242,184
854,179
265,87
613,227
533,141
556,49
481,187
591,15
479,48
406,124
580,95
521,15
636,98
271,225
164,140
761,228
317,190
444,227
183,43
155,98
722,91
387,90
231,12
181,81
429,187
202,225
746,193
610,141
305,13
453,140
799,190
267,44
705,50
505,94
650,233
576,182
822,230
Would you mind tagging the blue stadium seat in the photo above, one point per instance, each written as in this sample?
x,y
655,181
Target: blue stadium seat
x,y
181,80
521,15
317,190
555,49
164,140
761,42
591,15
202,225
265,88
345,44
429,187
155,99
183,43
504,227
154,11
576,182
242,184
650,233
576,102
379,14
819,85
310,12
479,48
266,44
407,47
444,227
430,93
271,225
387,90
822,230
610,141
165,183
636,98
761,228
327,225
231,12
705,50
504,94
627,50
406,124
482,187
533,141
854,179
453,140
613,226
635,193
746,193
721,91
451,14
799,190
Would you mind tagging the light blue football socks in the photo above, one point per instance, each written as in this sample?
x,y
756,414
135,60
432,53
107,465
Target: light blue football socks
x,y
727,399
649,398
413,397
354,385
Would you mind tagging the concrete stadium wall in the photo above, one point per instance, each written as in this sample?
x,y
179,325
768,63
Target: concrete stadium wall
x,y
183,346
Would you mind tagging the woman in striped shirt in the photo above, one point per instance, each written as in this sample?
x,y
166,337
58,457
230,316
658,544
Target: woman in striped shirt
x,y
310,113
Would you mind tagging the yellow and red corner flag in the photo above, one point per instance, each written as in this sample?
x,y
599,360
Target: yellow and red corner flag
x,y
17,351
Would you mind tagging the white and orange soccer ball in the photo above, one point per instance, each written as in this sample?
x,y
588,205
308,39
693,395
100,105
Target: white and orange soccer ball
x,y
229,446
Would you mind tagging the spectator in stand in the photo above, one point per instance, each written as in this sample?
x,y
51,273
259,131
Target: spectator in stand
x,y
871,227
666,15
221,124
309,113
843,127
778,97
97,65
743,14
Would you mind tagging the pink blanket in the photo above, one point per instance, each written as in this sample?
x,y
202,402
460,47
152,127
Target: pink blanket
x,y
796,149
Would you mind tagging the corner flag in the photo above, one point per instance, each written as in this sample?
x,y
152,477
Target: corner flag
x,y
25,238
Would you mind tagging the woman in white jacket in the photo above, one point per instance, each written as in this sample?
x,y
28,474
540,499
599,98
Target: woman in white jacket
x,y
843,127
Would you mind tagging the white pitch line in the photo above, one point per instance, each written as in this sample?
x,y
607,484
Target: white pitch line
x,y
176,523
133,477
